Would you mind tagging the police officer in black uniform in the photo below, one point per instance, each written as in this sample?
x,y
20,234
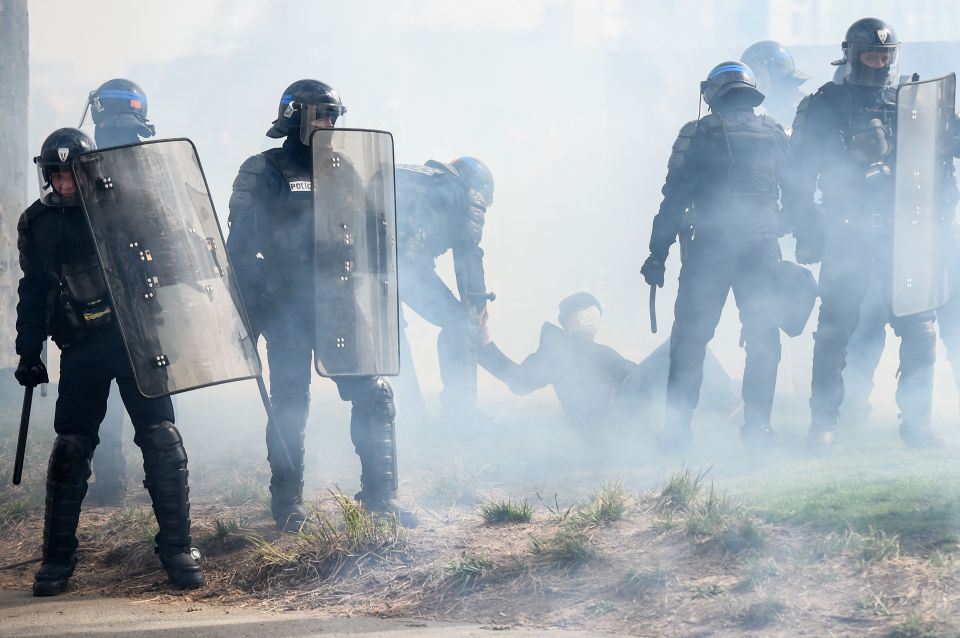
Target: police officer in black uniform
x,y
442,207
721,199
842,143
271,245
778,78
63,294
119,111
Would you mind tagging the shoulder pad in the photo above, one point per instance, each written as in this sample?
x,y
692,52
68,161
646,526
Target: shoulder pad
x,y
255,164
416,169
711,120
35,210
246,179
689,129
441,166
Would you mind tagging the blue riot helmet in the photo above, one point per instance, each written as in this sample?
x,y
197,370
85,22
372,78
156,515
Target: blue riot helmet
x,y
305,106
773,66
119,111
728,80
477,176
57,184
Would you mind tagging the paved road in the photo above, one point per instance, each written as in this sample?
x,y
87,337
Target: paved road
x,y
23,616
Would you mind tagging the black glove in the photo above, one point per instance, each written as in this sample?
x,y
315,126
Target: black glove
x,y
653,271
31,373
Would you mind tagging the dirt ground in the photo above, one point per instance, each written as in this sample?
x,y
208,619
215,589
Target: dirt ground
x,y
864,544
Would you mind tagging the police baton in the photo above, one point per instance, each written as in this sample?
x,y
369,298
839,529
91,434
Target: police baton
x,y
43,359
653,309
22,440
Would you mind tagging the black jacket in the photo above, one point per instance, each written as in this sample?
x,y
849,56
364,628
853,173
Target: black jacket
x,y
585,375
50,240
723,177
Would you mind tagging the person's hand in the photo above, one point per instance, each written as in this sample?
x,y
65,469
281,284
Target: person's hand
x,y
31,373
653,271
485,337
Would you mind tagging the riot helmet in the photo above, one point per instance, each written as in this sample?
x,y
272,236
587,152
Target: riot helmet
x,y
729,81
119,111
476,174
306,105
773,65
58,187
871,50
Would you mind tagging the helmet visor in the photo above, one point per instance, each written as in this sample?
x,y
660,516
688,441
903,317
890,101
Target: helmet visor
x,y
317,116
58,187
874,65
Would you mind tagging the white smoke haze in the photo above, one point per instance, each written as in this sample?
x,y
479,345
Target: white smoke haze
x,y
573,104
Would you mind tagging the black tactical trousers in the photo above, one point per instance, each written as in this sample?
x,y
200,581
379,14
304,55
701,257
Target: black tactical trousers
x,y
290,336
852,257
109,464
87,368
710,269
425,293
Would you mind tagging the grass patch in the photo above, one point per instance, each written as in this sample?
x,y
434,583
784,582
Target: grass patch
x,y
136,523
557,512
873,546
637,582
605,506
454,484
718,521
918,509
506,512
468,569
682,488
762,614
14,512
566,548
327,544
242,489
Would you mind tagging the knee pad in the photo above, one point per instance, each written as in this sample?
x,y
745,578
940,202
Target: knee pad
x,y
161,444
831,334
70,458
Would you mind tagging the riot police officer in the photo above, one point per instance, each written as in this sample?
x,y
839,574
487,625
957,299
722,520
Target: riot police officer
x,y
119,111
778,78
271,245
442,207
59,262
843,146
721,199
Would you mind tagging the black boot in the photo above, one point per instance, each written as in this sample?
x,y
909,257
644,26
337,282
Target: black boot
x,y
67,475
285,455
758,436
919,437
822,435
165,469
373,430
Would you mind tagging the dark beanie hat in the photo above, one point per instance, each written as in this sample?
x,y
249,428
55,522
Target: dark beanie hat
x,y
575,302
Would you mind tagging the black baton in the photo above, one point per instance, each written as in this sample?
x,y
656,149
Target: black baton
x,y
653,309
22,440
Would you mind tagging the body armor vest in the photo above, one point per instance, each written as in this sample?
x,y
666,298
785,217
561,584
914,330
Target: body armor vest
x,y
429,201
738,186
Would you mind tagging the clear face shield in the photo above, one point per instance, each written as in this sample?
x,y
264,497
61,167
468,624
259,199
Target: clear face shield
x,y
874,65
317,116
57,184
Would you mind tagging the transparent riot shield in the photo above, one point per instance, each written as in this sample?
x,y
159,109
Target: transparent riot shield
x,y
165,266
924,170
357,303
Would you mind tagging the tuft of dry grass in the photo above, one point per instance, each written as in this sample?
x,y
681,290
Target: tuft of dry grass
x,y
567,547
506,511
605,506
682,488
